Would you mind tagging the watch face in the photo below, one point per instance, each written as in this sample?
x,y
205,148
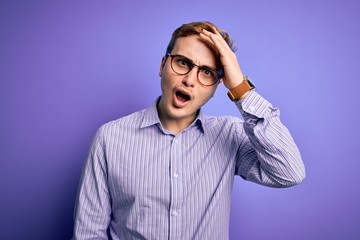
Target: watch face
x,y
249,81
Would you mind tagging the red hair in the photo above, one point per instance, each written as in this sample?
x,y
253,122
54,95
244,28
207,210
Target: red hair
x,y
195,28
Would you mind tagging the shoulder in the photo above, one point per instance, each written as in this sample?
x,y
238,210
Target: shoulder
x,y
222,121
223,125
130,121
225,129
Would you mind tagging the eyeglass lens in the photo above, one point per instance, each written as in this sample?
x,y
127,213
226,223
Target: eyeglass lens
x,y
182,65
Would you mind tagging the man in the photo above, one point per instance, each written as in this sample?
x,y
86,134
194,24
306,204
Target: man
x,y
166,172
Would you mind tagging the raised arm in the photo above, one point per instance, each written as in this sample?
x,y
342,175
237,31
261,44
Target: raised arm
x,y
270,155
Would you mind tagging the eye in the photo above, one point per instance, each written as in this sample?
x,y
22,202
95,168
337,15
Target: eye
x,y
207,72
184,62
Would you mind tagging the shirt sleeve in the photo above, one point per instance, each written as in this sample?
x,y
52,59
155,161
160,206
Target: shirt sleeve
x,y
93,208
269,156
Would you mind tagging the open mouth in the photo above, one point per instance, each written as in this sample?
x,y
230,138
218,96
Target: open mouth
x,y
182,97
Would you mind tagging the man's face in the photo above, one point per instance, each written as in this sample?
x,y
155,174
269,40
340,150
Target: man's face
x,y
183,95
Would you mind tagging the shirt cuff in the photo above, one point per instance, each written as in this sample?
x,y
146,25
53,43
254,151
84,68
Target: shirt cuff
x,y
253,106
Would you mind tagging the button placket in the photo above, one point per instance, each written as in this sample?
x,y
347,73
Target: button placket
x,y
176,158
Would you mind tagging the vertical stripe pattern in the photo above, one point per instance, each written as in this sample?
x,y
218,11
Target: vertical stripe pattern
x,y
142,182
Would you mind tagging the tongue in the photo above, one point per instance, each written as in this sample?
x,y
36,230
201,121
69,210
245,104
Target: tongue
x,y
182,97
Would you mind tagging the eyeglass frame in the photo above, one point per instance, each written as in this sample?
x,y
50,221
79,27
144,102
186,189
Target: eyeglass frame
x,y
219,72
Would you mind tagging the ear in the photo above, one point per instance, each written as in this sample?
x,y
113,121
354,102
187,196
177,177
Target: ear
x,y
163,61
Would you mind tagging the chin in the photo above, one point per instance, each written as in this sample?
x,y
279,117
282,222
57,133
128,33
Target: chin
x,y
180,113
176,113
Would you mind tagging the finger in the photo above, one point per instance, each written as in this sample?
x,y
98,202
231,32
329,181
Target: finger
x,y
208,41
216,37
216,31
217,40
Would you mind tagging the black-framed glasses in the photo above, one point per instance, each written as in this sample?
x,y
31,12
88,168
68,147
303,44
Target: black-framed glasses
x,y
206,75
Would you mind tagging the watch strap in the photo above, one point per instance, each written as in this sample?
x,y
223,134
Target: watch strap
x,y
245,86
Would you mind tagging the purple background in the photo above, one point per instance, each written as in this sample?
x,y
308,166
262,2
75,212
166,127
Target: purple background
x,y
67,67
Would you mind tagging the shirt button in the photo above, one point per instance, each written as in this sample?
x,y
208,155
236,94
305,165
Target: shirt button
x,y
176,141
252,108
174,213
175,175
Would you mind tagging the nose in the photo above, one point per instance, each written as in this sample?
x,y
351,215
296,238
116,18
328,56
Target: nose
x,y
190,79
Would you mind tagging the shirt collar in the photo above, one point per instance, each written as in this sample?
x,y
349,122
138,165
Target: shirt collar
x,y
151,117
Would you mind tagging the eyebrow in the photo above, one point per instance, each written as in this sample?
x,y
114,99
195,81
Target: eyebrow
x,y
206,66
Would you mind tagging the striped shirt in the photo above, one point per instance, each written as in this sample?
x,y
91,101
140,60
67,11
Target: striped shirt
x,y
142,182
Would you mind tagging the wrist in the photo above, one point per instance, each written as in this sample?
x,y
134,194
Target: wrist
x,y
233,85
241,90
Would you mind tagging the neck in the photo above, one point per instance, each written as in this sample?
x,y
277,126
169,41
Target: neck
x,y
174,125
